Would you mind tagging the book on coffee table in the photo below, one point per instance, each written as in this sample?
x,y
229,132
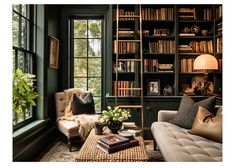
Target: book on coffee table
x,y
111,149
113,140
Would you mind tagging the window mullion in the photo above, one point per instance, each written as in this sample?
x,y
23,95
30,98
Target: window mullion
x,y
87,54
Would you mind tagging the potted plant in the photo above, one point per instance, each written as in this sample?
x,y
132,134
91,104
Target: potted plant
x,y
114,117
24,93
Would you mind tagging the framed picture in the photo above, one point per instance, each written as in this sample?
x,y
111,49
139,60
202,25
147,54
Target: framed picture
x,y
153,87
54,52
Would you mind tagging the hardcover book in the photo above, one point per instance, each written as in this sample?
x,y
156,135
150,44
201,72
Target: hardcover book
x,y
110,149
114,140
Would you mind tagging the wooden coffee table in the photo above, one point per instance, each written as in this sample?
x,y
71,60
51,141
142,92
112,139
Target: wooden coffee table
x,y
90,153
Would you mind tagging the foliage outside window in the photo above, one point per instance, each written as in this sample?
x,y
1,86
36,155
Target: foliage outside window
x,y
24,95
87,57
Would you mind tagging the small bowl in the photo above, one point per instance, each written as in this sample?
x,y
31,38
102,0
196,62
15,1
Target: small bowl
x,y
204,32
127,133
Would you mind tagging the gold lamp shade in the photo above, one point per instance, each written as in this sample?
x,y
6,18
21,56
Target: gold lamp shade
x,y
205,62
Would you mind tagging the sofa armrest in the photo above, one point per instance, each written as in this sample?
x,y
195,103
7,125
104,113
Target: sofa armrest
x,y
166,115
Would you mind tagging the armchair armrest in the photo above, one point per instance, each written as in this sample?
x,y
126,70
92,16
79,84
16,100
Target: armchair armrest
x,y
166,115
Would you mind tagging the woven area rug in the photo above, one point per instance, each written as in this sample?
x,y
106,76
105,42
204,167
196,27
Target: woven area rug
x,y
59,152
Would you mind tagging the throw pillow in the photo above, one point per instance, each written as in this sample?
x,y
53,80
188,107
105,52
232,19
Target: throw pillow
x,y
188,109
206,125
83,105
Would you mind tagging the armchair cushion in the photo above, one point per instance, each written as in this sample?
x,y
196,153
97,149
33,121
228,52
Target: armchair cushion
x,y
83,105
188,109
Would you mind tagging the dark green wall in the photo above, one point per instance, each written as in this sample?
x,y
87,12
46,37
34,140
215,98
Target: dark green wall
x,y
52,25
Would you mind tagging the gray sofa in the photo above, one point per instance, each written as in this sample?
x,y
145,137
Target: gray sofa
x,y
177,145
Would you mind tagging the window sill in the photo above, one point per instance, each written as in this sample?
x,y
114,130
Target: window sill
x,y
29,128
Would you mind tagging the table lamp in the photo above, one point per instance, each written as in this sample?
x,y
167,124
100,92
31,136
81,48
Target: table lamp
x,y
205,62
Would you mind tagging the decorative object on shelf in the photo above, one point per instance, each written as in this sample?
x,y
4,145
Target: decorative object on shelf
x,y
99,127
153,87
204,32
186,30
205,62
54,52
168,90
114,117
195,29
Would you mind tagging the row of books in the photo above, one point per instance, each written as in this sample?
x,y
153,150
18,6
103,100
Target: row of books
x,y
195,14
124,66
150,65
114,143
186,65
202,46
162,46
123,12
219,27
218,11
124,47
219,44
123,88
157,14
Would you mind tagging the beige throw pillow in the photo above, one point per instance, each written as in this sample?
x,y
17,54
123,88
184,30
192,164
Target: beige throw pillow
x,y
207,125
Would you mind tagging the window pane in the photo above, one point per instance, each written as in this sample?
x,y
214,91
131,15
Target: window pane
x,y
15,29
80,28
94,28
94,85
29,63
24,35
94,67
16,7
25,11
20,60
80,67
97,101
80,83
13,59
80,48
94,48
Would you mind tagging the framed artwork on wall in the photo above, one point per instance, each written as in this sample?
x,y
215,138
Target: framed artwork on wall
x,y
54,52
153,87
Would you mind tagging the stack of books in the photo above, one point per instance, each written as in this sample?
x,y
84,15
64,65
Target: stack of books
x,y
114,143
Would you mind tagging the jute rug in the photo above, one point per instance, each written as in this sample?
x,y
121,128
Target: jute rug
x,y
59,152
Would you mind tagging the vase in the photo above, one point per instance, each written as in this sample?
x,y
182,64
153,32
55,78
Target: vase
x,y
114,126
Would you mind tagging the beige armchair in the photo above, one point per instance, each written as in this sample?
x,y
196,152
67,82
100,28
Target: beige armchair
x,y
68,128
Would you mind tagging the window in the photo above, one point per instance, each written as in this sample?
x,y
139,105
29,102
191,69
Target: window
x,y
23,30
86,54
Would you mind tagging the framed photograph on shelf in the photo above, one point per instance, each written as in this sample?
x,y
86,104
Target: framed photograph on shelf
x,y
153,87
54,52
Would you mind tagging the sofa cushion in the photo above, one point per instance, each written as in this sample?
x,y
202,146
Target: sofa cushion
x,y
207,125
188,109
83,105
177,145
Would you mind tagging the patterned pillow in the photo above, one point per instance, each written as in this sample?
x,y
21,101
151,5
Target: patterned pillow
x,y
188,109
83,105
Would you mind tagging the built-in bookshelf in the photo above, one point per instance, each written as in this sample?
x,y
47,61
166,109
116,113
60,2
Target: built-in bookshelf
x,y
173,36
